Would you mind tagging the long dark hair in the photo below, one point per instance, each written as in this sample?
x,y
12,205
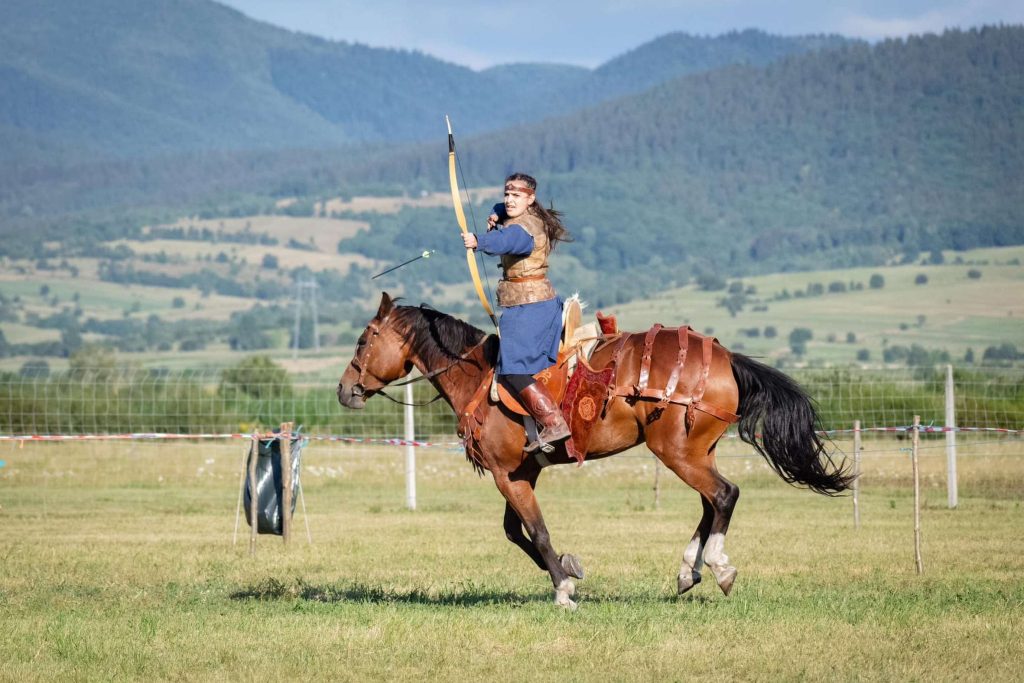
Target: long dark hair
x,y
552,219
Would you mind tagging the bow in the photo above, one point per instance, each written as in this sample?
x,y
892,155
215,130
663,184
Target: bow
x,y
460,216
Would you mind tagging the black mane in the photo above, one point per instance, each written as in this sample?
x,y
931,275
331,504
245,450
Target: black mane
x,y
439,337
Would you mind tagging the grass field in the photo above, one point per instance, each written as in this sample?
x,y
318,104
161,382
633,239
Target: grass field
x,y
118,563
951,311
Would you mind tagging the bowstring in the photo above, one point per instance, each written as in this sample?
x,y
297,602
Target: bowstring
x,y
472,215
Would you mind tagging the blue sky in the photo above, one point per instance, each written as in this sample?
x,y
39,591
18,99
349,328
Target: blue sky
x,y
588,32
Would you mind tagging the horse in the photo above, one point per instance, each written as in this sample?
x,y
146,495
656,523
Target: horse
x,y
774,414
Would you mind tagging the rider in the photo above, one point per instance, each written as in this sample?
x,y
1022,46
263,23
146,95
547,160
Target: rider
x,y
523,233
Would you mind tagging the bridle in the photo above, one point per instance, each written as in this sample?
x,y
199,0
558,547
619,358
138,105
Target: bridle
x,y
361,360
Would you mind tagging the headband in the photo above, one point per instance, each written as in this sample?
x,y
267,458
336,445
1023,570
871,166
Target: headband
x,y
509,187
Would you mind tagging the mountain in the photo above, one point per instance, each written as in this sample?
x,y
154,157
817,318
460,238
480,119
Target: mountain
x,y
843,157
137,78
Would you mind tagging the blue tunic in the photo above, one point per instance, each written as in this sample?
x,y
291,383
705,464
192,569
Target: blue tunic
x,y
529,333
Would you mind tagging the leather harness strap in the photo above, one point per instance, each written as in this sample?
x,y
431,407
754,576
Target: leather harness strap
x,y
465,420
673,379
665,396
645,363
702,382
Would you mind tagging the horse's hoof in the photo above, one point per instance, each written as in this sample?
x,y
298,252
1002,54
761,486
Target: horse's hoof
x,y
566,603
725,578
688,581
572,565
564,593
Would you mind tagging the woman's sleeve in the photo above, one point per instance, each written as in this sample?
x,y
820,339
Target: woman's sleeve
x,y
512,239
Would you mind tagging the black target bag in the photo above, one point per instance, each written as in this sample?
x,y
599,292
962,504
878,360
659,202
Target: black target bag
x,y
269,491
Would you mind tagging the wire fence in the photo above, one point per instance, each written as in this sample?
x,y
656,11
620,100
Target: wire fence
x,y
121,402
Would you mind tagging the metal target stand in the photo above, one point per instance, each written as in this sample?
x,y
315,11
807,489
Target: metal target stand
x,y
285,503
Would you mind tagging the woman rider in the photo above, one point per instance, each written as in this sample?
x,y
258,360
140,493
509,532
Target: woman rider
x,y
523,233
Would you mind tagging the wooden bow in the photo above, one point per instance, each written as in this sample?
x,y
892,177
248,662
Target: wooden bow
x,y
460,216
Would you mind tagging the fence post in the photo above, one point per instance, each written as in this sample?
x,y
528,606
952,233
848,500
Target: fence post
x,y
252,492
285,442
856,474
410,451
917,496
951,482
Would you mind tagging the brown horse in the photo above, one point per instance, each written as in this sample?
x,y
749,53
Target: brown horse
x,y
776,418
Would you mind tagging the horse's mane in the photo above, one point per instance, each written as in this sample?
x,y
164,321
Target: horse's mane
x,y
439,336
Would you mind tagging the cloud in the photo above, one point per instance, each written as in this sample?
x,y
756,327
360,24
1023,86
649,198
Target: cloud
x,y
956,15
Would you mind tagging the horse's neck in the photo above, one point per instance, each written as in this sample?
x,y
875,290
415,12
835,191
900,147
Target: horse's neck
x,y
461,379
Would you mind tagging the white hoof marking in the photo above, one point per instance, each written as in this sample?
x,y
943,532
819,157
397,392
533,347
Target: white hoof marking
x,y
564,593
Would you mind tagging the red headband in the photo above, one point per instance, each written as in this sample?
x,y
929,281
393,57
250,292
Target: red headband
x,y
509,187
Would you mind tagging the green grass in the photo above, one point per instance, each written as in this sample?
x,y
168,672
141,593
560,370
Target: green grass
x,y
951,312
958,312
118,563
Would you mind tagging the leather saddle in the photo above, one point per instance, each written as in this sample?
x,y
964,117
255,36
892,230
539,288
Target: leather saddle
x,y
579,390
578,341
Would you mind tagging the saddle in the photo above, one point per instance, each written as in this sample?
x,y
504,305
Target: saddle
x,y
579,390
583,392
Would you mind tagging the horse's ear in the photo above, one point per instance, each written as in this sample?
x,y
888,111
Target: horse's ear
x,y
386,304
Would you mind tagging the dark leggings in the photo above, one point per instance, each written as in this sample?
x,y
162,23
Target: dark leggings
x,y
518,382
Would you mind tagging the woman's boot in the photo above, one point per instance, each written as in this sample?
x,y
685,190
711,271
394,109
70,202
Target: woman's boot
x,y
539,403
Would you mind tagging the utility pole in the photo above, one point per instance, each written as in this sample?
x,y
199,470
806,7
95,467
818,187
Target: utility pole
x,y
305,290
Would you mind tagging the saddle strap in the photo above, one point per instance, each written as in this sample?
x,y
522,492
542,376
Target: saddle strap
x,y
614,363
645,363
698,394
640,391
673,379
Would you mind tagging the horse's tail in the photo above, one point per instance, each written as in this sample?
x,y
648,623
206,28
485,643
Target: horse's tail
x,y
778,419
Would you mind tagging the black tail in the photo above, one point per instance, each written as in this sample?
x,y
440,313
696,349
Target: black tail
x,y
775,407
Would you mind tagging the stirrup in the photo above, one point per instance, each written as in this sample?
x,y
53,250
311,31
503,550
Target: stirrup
x,y
538,445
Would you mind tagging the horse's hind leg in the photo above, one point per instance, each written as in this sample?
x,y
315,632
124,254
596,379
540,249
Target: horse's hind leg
x,y
718,496
724,502
693,555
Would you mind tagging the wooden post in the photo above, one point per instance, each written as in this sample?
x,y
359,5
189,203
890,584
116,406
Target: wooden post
x,y
286,480
917,497
951,484
252,493
856,474
241,494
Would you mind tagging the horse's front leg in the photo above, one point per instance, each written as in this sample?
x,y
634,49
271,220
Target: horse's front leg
x,y
514,533
521,499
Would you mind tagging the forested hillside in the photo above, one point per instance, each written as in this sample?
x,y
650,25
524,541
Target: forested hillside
x,y
843,157
127,79
707,158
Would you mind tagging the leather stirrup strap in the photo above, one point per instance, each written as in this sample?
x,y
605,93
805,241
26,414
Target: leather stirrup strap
x,y
645,363
673,379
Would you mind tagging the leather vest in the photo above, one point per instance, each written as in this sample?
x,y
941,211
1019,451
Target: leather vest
x,y
533,266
